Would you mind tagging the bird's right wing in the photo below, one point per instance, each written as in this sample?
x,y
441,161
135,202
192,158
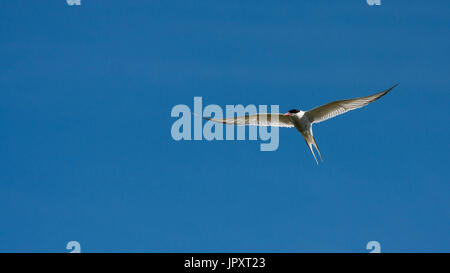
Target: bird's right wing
x,y
277,120
340,107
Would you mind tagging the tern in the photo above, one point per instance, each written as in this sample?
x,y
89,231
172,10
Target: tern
x,y
303,120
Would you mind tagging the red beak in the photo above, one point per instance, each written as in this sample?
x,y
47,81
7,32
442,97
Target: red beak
x,y
287,114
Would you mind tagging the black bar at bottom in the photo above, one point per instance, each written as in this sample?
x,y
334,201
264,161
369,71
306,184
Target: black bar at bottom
x,y
226,262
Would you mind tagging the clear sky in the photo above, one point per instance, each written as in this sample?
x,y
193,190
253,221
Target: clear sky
x,y
86,152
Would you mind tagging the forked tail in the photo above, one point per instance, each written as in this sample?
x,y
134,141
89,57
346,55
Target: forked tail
x,y
310,141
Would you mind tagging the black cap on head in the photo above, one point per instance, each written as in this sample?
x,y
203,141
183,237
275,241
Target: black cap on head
x,y
294,111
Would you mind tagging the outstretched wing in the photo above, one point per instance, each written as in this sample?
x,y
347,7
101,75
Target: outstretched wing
x,y
277,120
340,107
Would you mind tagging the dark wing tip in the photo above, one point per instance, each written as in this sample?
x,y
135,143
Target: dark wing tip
x,y
381,94
395,85
387,91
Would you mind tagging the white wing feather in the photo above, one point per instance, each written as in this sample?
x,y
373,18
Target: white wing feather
x,y
277,120
340,107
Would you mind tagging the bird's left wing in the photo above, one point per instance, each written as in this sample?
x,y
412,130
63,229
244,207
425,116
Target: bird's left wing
x,y
340,107
276,120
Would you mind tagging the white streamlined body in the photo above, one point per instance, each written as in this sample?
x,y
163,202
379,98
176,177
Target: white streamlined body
x,y
302,120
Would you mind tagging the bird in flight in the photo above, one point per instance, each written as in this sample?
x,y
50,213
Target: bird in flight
x,y
303,120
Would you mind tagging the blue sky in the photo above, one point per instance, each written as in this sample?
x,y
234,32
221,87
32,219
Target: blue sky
x,y
86,152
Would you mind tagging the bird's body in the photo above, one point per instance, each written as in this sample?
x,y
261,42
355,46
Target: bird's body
x,y
302,123
303,120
